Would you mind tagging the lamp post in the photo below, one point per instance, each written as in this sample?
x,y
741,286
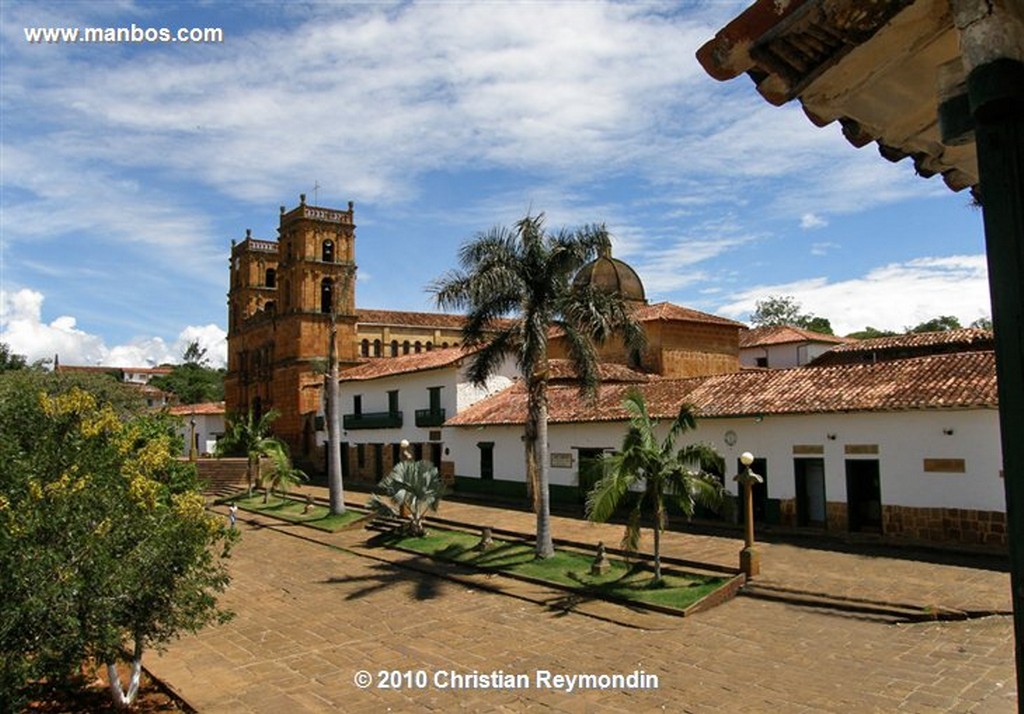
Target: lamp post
x,y
192,438
750,559
404,446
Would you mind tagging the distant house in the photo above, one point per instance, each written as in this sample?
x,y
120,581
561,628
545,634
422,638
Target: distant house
x,y
784,346
914,344
137,377
208,419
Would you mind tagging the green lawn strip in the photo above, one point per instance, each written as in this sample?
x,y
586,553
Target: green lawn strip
x,y
289,509
567,568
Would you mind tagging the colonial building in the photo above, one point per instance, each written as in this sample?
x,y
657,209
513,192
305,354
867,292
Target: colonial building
x,y
783,346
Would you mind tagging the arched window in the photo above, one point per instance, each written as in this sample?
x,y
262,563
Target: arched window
x,y
405,347
327,251
394,348
376,348
270,280
326,295
269,307
444,345
364,348
430,346
418,347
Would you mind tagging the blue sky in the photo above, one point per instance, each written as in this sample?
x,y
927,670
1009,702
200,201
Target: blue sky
x,y
127,169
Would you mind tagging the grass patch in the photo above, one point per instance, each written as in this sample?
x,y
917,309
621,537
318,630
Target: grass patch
x,y
623,581
289,509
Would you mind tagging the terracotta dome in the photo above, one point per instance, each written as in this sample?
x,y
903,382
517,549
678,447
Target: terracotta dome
x,y
611,275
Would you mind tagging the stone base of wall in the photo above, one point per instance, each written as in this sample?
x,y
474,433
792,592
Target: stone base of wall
x,y
954,526
945,525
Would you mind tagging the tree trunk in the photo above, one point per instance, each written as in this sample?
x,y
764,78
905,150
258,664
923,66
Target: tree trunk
x,y
658,517
538,413
334,483
124,699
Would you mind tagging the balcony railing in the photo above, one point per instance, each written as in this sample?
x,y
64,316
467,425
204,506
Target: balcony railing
x,y
372,420
429,417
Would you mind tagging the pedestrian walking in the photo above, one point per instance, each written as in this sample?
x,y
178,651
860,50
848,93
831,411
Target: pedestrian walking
x,y
233,514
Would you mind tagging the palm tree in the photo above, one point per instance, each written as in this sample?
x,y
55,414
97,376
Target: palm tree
x,y
410,490
282,475
684,477
526,275
250,437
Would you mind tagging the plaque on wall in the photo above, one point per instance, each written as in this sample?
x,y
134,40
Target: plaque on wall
x,y
561,461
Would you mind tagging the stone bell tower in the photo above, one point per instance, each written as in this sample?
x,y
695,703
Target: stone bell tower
x,y
281,299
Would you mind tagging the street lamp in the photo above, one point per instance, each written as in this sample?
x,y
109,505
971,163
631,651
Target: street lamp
x,y
750,559
192,439
404,446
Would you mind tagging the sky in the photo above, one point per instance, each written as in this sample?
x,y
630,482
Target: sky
x,y
127,168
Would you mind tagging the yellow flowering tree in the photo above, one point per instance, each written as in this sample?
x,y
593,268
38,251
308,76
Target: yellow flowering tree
x,y
105,541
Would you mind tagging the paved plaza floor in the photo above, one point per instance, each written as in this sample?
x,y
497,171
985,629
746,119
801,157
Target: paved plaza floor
x,y
316,613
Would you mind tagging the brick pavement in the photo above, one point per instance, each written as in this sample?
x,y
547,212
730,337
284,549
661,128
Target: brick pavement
x,y
309,617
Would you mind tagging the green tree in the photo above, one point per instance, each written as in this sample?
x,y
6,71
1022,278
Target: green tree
x,y
105,542
943,323
410,491
785,310
684,477
982,323
9,360
526,274
869,333
193,381
250,437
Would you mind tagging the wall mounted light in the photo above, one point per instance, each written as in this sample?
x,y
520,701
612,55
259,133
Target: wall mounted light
x,y
830,437
948,431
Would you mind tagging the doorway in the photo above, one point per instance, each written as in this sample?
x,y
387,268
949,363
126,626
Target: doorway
x,y
864,495
588,472
810,492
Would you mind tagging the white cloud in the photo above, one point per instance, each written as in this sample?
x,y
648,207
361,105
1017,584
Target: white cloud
x,y
23,329
809,221
891,297
823,248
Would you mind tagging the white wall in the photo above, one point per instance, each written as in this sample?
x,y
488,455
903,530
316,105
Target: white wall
x,y
456,394
784,356
209,427
904,440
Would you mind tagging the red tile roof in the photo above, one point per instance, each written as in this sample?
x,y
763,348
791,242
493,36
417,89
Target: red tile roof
x,y
961,380
205,408
671,311
784,334
412,319
389,366
967,337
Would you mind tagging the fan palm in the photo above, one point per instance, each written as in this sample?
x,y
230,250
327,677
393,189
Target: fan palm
x,y
410,490
282,474
525,274
684,478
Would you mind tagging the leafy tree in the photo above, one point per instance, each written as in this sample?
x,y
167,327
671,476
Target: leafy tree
x,y
193,381
411,490
250,437
527,274
785,310
982,323
943,323
686,477
105,541
869,333
9,360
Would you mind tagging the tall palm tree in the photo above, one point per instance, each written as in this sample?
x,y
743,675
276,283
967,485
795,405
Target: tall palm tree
x,y
250,437
684,477
526,275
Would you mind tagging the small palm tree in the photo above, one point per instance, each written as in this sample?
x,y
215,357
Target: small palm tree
x,y
411,490
526,274
684,477
282,474
250,437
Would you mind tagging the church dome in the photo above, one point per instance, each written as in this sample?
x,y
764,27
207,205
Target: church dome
x,y
611,275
